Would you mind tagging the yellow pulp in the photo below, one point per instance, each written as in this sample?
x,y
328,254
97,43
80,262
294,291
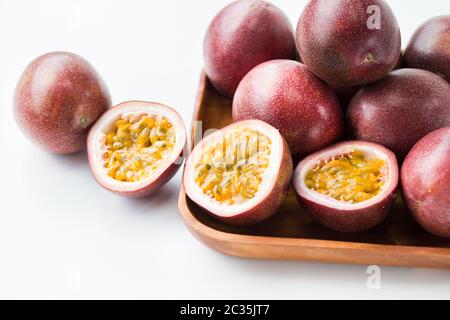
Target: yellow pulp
x,y
351,178
231,170
136,146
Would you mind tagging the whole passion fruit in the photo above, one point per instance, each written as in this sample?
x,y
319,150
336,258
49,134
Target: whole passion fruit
x,y
240,174
136,147
242,35
58,97
429,47
349,187
288,96
346,93
400,109
348,42
425,179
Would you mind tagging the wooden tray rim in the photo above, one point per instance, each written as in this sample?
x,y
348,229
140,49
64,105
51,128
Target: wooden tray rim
x,y
207,234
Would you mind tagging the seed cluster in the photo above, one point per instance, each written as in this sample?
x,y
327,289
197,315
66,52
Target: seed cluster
x,y
137,145
231,170
350,178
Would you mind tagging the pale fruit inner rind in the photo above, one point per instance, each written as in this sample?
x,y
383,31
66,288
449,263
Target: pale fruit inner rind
x,y
136,145
231,169
352,177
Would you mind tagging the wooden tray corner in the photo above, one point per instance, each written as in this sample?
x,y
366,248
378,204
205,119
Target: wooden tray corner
x,y
293,235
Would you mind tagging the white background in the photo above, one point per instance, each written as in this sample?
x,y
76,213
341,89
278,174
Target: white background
x,y
62,236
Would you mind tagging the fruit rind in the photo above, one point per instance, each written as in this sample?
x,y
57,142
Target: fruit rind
x,y
286,95
429,47
425,180
335,41
241,36
57,99
161,175
340,216
400,109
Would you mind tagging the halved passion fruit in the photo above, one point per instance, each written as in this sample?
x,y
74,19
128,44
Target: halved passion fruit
x,y
240,174
348,187
136,147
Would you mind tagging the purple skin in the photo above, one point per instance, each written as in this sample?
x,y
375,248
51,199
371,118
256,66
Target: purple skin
x,y
345,94
425,180
429,48
337,45
400,109
348,221
58,97
286,95
242,35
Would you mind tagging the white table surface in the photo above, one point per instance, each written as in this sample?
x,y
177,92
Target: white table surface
x,y
62,236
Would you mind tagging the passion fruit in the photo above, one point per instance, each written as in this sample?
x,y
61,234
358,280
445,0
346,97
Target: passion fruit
x,y
288,96
429,48
345,94
400,109
240,174
57,99
348,42
242,35
349,187
425,179
136,147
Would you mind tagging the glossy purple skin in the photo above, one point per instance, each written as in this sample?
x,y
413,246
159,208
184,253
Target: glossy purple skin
x,y
429,48
400,109
242,35
57,99
348,221
289,97
346,93
354,221
337,45
425,178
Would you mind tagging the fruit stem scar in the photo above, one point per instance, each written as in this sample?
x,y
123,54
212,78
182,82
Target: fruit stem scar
x,y
84,122
369,59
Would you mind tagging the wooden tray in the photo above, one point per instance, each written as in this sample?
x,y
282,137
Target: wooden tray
x,y
293,235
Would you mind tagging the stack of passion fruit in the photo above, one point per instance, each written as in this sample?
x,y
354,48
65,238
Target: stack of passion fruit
x,y
348,110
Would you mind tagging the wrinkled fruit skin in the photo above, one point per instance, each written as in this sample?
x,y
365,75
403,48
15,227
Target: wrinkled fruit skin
x,y
346,221
400,109
426,182
337,45
58,97
241,36
429,48
286,95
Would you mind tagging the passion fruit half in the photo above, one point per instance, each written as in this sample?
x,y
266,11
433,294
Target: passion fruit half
x,y
136,147
240,174
349,187
426,182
